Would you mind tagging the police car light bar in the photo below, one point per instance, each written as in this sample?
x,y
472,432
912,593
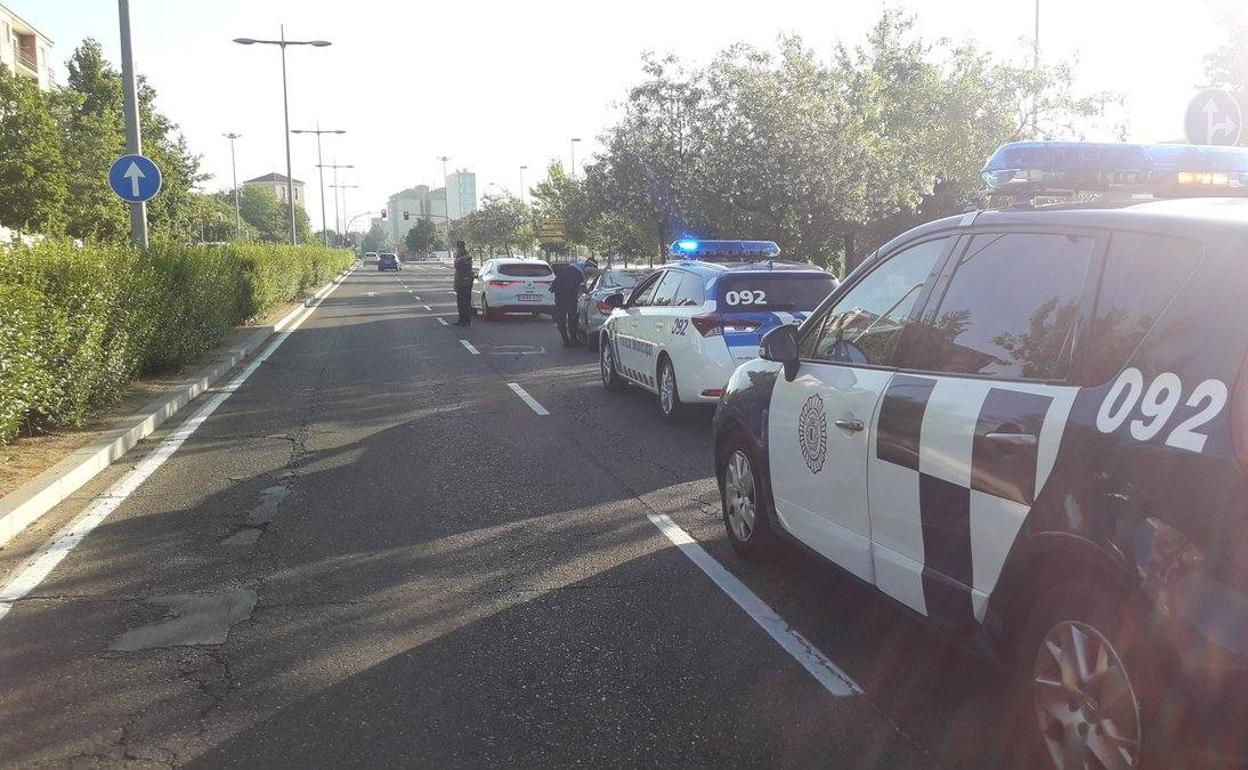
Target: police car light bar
x,y
690,248
1162,170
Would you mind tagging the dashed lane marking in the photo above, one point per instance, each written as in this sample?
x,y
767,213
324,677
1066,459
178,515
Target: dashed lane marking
x,y
426,307
470,348
35,569
834,680
443,322
526,398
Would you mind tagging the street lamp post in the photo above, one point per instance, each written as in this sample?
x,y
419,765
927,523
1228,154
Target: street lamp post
x,y
446,196
238,216
282,42
134,133
574,142
334,186
320,168
344,188
522,170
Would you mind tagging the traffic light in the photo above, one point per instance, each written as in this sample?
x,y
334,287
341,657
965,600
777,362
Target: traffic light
x,y
383,213
406,216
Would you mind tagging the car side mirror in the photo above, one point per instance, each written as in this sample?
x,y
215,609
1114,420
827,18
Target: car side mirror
x,y
614,300
780,345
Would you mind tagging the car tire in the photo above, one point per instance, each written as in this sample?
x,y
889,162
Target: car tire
x,y
607,370
1075,622
745,505
591,340
671,408
486,313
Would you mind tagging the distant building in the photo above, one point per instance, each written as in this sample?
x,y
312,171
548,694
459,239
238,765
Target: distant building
x,y
461,188
276,184
413,201
25,50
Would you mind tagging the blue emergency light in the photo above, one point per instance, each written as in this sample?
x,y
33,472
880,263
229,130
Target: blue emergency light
x,y
745,251
1163,170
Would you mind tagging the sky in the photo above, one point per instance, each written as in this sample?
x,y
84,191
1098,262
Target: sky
x,y
497,85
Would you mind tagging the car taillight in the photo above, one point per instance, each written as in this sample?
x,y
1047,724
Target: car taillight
x,y
1239,416
503,284
603,307
711,325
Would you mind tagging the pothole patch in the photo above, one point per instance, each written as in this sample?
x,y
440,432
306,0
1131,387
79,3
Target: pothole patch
x,y
270,499
195,619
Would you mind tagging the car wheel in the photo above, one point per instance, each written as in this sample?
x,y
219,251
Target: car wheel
x,y
671,409
745,507
591,340
611,378
1086,675
486,313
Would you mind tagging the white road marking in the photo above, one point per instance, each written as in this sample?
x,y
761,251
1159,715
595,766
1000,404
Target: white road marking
x,y
834,680
526,398
416,297
426,307
471,349
37,568
443,322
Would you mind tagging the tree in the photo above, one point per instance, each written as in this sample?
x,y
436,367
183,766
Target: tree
x,y
1228,65
33,183
559,196
614,235
89,110
423,237
267,213
502,222
377,239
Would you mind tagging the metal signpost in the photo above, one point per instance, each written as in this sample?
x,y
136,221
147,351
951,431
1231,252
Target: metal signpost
x,y
1213,117
137,180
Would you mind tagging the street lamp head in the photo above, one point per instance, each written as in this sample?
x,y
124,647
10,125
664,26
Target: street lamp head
x,y
245,40
320,43
297,131
576,139
338,132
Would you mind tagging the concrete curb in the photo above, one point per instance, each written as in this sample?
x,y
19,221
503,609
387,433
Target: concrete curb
x,y
24,505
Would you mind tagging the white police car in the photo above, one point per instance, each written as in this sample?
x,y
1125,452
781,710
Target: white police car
x,y
1030,425
683,330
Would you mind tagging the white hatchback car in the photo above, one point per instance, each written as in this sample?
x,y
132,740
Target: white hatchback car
x,y
512,285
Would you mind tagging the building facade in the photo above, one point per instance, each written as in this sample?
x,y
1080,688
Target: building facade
x,y
25,50
461,193
276,184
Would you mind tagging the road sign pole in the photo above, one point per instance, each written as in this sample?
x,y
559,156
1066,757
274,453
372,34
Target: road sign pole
x,y
134,139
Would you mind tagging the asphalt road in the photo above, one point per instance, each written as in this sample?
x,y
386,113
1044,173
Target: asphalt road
x,y
416,568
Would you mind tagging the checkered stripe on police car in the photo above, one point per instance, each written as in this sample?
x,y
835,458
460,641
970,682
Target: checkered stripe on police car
x,y
971,496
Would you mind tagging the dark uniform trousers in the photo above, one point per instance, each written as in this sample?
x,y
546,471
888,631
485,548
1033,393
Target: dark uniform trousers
x,y
565,319
463,301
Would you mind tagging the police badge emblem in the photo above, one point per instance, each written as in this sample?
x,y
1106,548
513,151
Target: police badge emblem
x,y
812,433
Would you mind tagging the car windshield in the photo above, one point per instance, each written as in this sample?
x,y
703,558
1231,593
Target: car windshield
x,y
535,270
769,291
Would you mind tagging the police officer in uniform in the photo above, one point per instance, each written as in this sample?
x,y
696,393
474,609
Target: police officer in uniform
x,y
566,287
464,274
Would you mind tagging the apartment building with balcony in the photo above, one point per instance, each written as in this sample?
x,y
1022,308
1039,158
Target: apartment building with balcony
x,y
25,50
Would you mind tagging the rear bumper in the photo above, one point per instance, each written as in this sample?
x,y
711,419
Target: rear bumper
x,y
704,378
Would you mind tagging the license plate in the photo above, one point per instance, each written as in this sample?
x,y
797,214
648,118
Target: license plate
x,y
529,298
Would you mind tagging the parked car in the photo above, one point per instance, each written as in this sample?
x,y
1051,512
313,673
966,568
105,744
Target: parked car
x,y
683,330
513,285
593,309
1030,426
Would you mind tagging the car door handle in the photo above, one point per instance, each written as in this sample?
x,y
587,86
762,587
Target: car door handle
x,y
850,425
658,324
1007,443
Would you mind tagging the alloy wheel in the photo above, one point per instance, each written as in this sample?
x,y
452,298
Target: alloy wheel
x,y
606,364
739,495
667,389
1088,712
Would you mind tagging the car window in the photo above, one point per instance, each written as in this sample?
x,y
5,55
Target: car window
x,y
1141,275
1009,310
863,325
667,289
643,293
533,270
773,291
692,291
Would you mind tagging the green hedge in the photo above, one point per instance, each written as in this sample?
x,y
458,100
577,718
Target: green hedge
x,y
78,325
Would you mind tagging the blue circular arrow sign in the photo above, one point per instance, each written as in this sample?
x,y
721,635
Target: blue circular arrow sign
x,y
134,178
1213,117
